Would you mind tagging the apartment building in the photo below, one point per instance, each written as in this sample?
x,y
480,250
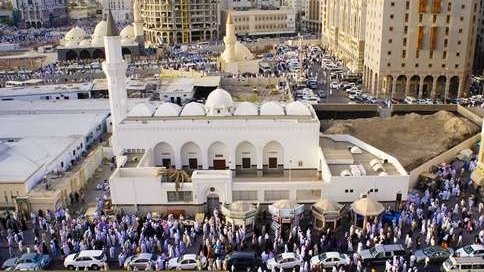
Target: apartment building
x,y
122,10
420,48
180,21
257,22
479,54
343,30
312,16
41,13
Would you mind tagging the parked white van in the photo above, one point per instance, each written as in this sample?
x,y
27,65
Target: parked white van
x,y
467,264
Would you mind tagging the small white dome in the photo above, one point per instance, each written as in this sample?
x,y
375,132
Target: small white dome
x,y
297,108
75,34
271,108
219,98
127,34
85,43
168,109
246,108
142,109
193,109
71,44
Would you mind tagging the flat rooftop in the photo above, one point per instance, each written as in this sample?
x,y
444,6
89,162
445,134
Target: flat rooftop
x,y
48,125
20,160
339,158
45,89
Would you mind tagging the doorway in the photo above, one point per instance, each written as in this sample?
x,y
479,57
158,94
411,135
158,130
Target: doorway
x,y
213,202
166,163
218,164
273,163
192,163
246,163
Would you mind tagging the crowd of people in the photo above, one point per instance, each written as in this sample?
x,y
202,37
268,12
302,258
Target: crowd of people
x,y
446,213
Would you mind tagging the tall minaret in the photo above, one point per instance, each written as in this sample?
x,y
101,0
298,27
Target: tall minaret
x,y
138,22
115,69
230,39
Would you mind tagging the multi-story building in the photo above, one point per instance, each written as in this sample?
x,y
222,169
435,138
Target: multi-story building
x,y
41,13
180,21
479,54
343,30
122,10
312,16
267,22
420,48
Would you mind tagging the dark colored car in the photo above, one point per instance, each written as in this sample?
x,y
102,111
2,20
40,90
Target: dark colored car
x,y
242,261
381,253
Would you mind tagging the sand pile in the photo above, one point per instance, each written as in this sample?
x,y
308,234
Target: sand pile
x,y
412,138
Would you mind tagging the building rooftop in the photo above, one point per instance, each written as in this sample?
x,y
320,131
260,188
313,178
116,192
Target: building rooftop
x,y
45,89
22,159
341,159
48,125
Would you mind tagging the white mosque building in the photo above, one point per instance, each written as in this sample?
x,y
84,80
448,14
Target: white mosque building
x,y
77,44
234,152
236,58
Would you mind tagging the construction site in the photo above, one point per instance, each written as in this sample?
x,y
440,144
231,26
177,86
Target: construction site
x,y
180,21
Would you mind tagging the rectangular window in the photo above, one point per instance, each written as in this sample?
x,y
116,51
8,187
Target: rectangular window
x,y
274,195
404,54
244,195
407,5
431,54
180,196
444,55
305,195
433,37
420,37
436,6
422,6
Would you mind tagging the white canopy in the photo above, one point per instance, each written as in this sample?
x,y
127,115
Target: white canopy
x,y
367,206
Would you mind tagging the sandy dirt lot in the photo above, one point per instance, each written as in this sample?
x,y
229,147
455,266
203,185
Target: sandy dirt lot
x,y
412,138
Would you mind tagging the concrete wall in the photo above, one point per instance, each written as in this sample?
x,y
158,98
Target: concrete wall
x,y
399,109
447,156
259,81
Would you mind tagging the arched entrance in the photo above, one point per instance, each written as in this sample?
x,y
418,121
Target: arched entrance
x,y
427,87
454,87
163,155
98,54
218,156
213,202
84,54
273,158
440,88
400,87
246,156
125,51
191,156
71,55
414,86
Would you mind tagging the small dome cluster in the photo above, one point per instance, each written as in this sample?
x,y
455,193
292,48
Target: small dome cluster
x,y
77,37
219,103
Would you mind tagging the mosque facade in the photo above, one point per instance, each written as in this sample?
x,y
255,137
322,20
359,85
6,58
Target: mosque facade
x,y
230,151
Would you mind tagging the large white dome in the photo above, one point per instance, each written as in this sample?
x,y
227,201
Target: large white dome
x,y
193,109
271,108
246,108
127,34
219,98
75,34
168,109
142,109
297,108
99,32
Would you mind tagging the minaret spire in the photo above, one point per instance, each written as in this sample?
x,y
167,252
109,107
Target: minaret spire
x,y
111,25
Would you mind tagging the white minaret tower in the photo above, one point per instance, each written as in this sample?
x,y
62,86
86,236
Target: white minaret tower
x,y
115,69
230,39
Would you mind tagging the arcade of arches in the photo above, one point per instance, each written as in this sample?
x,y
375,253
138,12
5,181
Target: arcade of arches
x,y
419,86
169,37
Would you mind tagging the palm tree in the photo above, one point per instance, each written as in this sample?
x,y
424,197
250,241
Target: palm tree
x,y
173,175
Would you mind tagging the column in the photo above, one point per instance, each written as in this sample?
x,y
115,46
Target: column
x,y
177,157
447,88
407,87
260,156
205,159
420,88
462,84
433,94
394,86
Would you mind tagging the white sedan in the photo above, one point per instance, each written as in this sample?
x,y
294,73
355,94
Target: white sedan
x,y
330,259
285,261
185,262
